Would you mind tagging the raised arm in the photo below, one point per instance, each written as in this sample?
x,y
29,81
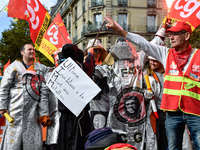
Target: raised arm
x,y
111,25
158,52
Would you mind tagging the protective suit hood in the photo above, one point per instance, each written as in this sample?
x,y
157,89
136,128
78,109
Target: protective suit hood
x,y
123,50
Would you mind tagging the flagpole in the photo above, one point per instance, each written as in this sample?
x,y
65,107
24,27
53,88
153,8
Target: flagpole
x,y
58,30
3,7
98,33
169,4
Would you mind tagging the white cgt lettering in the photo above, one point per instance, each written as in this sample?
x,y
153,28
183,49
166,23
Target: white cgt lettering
x,y
187,10
53,40
33,18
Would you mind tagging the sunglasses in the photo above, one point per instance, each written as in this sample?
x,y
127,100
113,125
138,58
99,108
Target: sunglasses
x,y
96,51
175,33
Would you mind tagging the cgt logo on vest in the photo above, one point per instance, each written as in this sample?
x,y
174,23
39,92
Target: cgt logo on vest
x,y
173,65
196,68
174,72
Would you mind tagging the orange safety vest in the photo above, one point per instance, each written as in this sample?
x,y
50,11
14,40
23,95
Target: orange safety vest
x,y
182,90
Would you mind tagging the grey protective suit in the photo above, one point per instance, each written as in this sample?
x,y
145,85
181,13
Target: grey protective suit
x,y
24,94
53,129
124,80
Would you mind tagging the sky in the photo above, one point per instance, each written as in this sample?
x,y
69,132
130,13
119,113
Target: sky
x,y
5,21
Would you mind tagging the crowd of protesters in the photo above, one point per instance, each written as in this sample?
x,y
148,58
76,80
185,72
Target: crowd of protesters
x,y
124,103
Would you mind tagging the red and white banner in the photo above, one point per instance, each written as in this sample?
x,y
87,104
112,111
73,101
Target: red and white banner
x,y
2,127
187,11
6,65
33,12
55,37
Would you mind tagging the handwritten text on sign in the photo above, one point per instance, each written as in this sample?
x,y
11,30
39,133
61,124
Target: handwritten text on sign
x,y
72,86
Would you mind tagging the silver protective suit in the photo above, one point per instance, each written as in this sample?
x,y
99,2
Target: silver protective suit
x,y
53,129
24,94
124,79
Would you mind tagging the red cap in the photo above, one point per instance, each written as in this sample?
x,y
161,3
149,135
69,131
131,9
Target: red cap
x,y
178,26
120,146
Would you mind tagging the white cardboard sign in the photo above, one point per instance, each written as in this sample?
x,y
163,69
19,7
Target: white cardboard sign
x,y
72,86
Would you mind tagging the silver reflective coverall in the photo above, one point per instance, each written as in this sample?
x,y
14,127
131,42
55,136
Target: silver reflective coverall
x,y
24,94
127,108
53,129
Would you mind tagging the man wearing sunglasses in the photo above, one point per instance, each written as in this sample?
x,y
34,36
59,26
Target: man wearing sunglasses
x,y
96,49
181,98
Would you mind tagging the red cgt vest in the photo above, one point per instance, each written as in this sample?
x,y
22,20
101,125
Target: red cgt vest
x,y
182,91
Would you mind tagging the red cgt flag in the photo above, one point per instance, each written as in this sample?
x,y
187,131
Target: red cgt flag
x,y
57,33
188,11
33,12
6,65
55,36
16,9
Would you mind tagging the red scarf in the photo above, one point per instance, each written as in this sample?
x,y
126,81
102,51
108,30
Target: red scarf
x,y
181,58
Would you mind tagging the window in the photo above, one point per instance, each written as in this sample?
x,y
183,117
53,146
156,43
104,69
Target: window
x,y
122,2
64,21
96,3
83,6
99,2
70,20
83,23
69,33
151,23
75,31
84,28
75,13
122,20
97,21
151,3
75,37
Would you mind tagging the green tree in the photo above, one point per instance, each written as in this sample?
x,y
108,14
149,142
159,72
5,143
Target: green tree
x,y
13,38
195,38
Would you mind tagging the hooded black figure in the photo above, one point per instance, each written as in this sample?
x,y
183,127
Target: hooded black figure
x,y
68,50
73,130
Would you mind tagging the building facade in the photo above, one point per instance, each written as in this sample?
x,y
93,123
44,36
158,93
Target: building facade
x,y
84,18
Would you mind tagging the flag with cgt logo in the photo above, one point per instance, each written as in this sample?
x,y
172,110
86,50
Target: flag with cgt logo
x,y
55,37
187,11
34,13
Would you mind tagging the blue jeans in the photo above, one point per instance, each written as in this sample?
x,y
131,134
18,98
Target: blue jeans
x,y
175,125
